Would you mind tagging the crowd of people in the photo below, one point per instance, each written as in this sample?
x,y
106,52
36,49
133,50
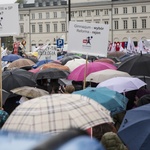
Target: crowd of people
x,y
106,133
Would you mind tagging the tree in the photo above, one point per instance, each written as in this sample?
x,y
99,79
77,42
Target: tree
x,y
19,1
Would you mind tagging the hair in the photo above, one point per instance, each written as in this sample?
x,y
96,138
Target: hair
x,y
143,100
69,89
100,130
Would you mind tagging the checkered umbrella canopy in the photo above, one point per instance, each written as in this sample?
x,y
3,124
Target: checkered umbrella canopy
x,y
56,113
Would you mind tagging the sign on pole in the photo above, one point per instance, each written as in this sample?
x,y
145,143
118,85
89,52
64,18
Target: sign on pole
x,y
9,20
9,25
47,53
60,43
88,38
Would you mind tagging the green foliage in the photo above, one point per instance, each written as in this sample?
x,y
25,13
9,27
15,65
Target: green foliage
x,y
19,1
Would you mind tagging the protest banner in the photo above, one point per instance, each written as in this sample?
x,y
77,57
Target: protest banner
x,y
88,38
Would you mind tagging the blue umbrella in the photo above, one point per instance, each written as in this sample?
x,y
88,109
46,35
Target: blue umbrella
x,y
41,62
111,100
11,57
135,128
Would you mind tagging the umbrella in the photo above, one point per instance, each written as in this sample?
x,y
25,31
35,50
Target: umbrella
x,y
107,60
21,63
65,59
122,84
136,65
134,130
56,113
31,92
111,100
115,54
11,57
73,64
78,73
5,95
103,75
17,78
41,62
35,70
51,73
54,65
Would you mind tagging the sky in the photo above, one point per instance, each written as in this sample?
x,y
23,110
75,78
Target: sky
x,y
7,1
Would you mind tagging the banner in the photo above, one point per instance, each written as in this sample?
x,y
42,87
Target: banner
x,y
47,53
9,20
88,38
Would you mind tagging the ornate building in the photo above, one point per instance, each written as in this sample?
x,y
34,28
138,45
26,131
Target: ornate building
x,y
47,20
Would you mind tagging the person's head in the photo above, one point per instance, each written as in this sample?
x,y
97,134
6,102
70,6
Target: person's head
x,y
69,89
140,93
143,100
100,130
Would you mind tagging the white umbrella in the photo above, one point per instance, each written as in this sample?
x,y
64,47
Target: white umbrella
x,y
73,64
28,91
122,84
57,112
103,75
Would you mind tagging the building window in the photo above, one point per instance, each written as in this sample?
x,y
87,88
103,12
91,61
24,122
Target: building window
x,y
55,14
80,13
21,29
106,12
63,15
125,24
21,16
115,10
47,27
125,10
143,8
144,23
33,28
105,22
63,27
40,28
133,9
88,13
40,15
72,14
55,27
116,25
97,12
134,24
33,16
47,15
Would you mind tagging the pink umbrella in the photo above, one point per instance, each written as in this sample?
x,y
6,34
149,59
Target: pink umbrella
x,y
35,70
78,73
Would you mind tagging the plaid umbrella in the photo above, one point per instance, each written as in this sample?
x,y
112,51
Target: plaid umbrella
x,y
31,92
56,113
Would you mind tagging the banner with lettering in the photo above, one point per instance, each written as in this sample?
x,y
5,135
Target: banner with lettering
x,y
88,38
9,20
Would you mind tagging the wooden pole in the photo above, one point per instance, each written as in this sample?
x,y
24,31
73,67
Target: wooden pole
x,y
85,70
0,75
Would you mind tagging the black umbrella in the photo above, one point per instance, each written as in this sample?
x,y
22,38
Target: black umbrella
x,y
5,95
67,58
17,78
136,65
51,73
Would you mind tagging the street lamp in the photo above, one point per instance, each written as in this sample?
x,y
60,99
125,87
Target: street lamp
x,y
69,10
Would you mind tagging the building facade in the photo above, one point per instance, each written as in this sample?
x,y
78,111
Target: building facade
x,y
44,21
